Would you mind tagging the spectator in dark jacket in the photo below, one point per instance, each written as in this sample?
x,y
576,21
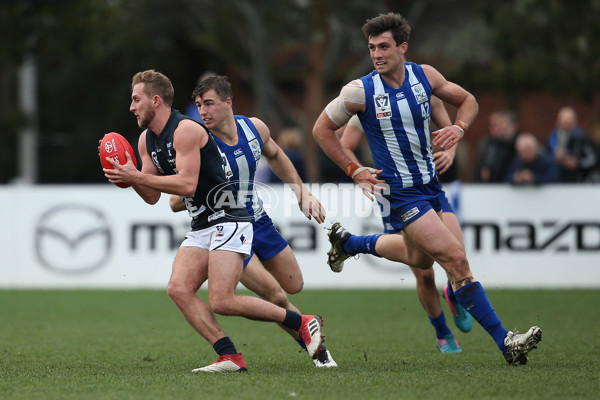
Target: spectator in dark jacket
x,y
532,165
497,150
575,153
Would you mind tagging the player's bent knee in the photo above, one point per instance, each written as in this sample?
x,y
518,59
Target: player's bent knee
x,y
294,286
221,307
177,292
222,304
181,293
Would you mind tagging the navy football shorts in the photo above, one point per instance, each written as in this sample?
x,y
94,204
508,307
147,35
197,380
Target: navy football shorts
x,y
267,241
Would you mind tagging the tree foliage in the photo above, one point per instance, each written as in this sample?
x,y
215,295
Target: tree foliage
x,y
541,45
288,56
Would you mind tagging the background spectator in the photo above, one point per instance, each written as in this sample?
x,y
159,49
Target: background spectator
x,y
497,150
289,140
575,153
531,165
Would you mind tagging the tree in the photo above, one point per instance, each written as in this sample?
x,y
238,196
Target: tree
x,y
287,58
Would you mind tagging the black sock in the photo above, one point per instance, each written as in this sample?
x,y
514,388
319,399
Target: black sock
x,y
292,320
224,346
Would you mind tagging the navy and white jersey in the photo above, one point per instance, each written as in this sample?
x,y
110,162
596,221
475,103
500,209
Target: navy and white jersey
x,y
396,125
205,207
243,159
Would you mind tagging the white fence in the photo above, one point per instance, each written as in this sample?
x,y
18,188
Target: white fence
x,y
100,236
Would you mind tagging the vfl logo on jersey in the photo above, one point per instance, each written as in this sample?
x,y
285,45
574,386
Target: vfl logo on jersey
x,y
156,163
419,92
226,166
255,147
382,106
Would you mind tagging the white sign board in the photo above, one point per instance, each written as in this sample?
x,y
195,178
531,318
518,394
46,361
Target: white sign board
x,y
100,236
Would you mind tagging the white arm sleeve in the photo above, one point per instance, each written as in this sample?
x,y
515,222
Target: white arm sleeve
x,y
351,93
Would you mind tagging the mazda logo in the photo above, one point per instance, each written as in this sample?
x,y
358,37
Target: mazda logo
x,y
72,239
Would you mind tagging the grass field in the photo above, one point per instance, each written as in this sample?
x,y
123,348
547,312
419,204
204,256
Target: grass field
x,y
136,345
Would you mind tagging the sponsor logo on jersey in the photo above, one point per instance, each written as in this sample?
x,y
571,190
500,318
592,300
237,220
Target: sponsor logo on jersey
x,y
217,215
419,92
255,147
238,153
410,213
400,95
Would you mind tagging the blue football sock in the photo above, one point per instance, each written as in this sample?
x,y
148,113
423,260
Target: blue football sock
x,y
439,323
292,320
302,344
473,298
451,293
224,346
361,244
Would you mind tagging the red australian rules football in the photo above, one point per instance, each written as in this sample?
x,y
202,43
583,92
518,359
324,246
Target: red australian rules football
x,y
114,146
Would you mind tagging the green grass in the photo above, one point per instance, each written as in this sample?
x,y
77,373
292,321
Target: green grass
x,y
136,345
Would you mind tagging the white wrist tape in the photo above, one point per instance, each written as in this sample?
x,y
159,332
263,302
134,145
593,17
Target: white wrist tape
x,y
459,128
361,169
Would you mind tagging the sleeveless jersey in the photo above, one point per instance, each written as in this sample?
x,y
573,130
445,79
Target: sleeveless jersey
x,y
396,125
243,159
208,206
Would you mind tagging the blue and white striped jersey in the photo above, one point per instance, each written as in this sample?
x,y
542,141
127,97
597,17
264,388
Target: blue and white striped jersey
x,y
242,159
396,125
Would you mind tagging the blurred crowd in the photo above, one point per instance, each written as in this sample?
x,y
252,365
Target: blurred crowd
x,y
567,154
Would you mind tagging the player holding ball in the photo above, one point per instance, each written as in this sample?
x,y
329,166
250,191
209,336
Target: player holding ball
x,y
180,157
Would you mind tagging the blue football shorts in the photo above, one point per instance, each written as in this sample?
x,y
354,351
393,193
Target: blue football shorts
x,y
409,204
267,241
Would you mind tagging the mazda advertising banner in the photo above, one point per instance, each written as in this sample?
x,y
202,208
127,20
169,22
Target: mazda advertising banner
x,y
101,236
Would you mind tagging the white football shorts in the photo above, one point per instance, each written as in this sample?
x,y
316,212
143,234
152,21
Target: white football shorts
x,y
229,236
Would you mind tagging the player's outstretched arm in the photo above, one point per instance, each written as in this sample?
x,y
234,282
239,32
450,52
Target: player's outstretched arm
x,y
351,137
454,94
337,113
443,158
284,169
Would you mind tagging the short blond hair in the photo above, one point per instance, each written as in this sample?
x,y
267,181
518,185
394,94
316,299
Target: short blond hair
x,y
155,83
